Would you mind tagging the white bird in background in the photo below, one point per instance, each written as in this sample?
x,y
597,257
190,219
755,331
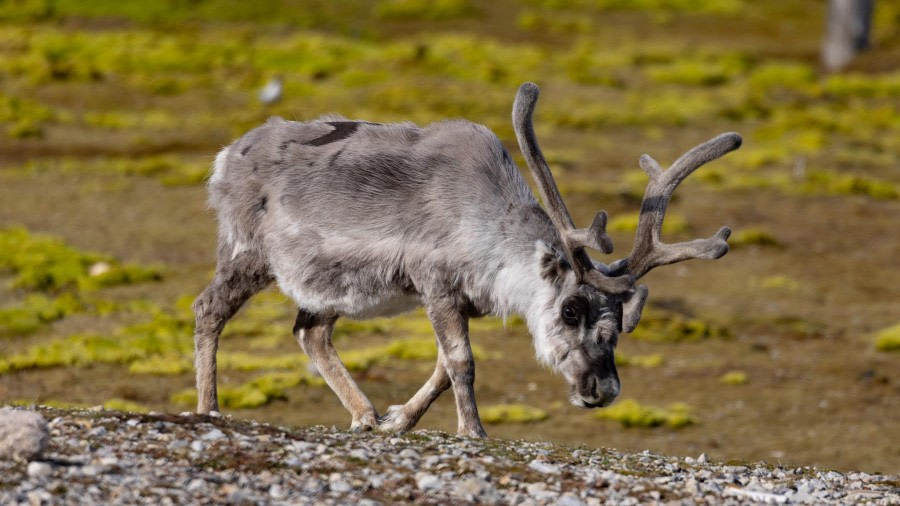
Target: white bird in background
x,y
272,91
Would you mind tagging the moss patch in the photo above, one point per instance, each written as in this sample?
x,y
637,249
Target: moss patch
x,y
659,325
734,378
255,393
511,413
631,413
888,339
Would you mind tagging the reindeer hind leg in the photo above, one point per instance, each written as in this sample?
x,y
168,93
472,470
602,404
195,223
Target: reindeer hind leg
x,y
236,280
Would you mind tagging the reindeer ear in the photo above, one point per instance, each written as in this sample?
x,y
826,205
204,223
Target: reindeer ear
x,y
632,306
550,263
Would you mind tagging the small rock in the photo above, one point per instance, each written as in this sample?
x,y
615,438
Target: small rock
x,y
213,435
543,467
23,434
360,454
276,492
97,432
91,470
702,459
572,500
198,446
196,485
428,482
470,489
409,453
132,422
39,469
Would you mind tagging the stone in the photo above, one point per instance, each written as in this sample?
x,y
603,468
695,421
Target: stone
x,y
702,459
569,500
543,467
213,435
470,489
409,453
428,482
23,434
39,469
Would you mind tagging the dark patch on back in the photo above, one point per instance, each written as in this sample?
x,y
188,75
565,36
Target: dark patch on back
x,y
261,206
285,144
255,168
342,130
246,150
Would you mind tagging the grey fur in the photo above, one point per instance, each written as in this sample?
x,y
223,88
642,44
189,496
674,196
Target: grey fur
x,y
361,219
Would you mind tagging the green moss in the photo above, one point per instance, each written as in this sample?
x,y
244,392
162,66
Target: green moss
x,y
35,311
647,361
734,378
346,327
125,405
754,236
690,72
433,10
255,393
673,224
164,335
161,365
249,362
828,182
46,263
666,326
888,339
511,413
780,282
631,413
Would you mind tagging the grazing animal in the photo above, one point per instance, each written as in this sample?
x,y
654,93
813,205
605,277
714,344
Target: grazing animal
x,y
361,219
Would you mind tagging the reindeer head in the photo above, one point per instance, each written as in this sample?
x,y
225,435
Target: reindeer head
x,y
591,303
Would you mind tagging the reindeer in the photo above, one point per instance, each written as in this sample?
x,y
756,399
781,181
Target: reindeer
x,y
361,219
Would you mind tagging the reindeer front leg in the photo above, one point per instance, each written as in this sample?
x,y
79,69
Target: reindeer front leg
x,y
313,332
451,327
402,418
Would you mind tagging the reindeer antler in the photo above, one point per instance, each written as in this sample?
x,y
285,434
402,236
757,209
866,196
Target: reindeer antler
x,y
649,252
573,240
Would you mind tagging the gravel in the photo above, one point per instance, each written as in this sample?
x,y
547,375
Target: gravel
x,y
116,458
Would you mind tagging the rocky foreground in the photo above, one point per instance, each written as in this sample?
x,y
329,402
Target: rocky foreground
x,y
123,458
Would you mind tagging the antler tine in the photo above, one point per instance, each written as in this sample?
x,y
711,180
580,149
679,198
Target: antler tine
x,y
649,252
573,240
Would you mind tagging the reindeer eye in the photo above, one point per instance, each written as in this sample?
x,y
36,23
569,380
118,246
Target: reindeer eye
x,y
570,315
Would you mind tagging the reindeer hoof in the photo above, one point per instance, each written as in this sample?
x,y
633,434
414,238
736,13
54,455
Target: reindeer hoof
x,y
364,423
474,433
394,420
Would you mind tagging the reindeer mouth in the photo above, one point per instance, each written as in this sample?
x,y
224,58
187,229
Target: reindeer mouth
x,y
580,402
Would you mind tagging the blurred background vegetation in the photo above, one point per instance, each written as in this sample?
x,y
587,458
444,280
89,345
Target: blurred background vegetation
x,y
785,350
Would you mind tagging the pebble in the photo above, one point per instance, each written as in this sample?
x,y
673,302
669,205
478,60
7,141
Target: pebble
x,y
543,467
572,500
196,485
39,469
409,453
213,435
470,489
428,482
702,459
